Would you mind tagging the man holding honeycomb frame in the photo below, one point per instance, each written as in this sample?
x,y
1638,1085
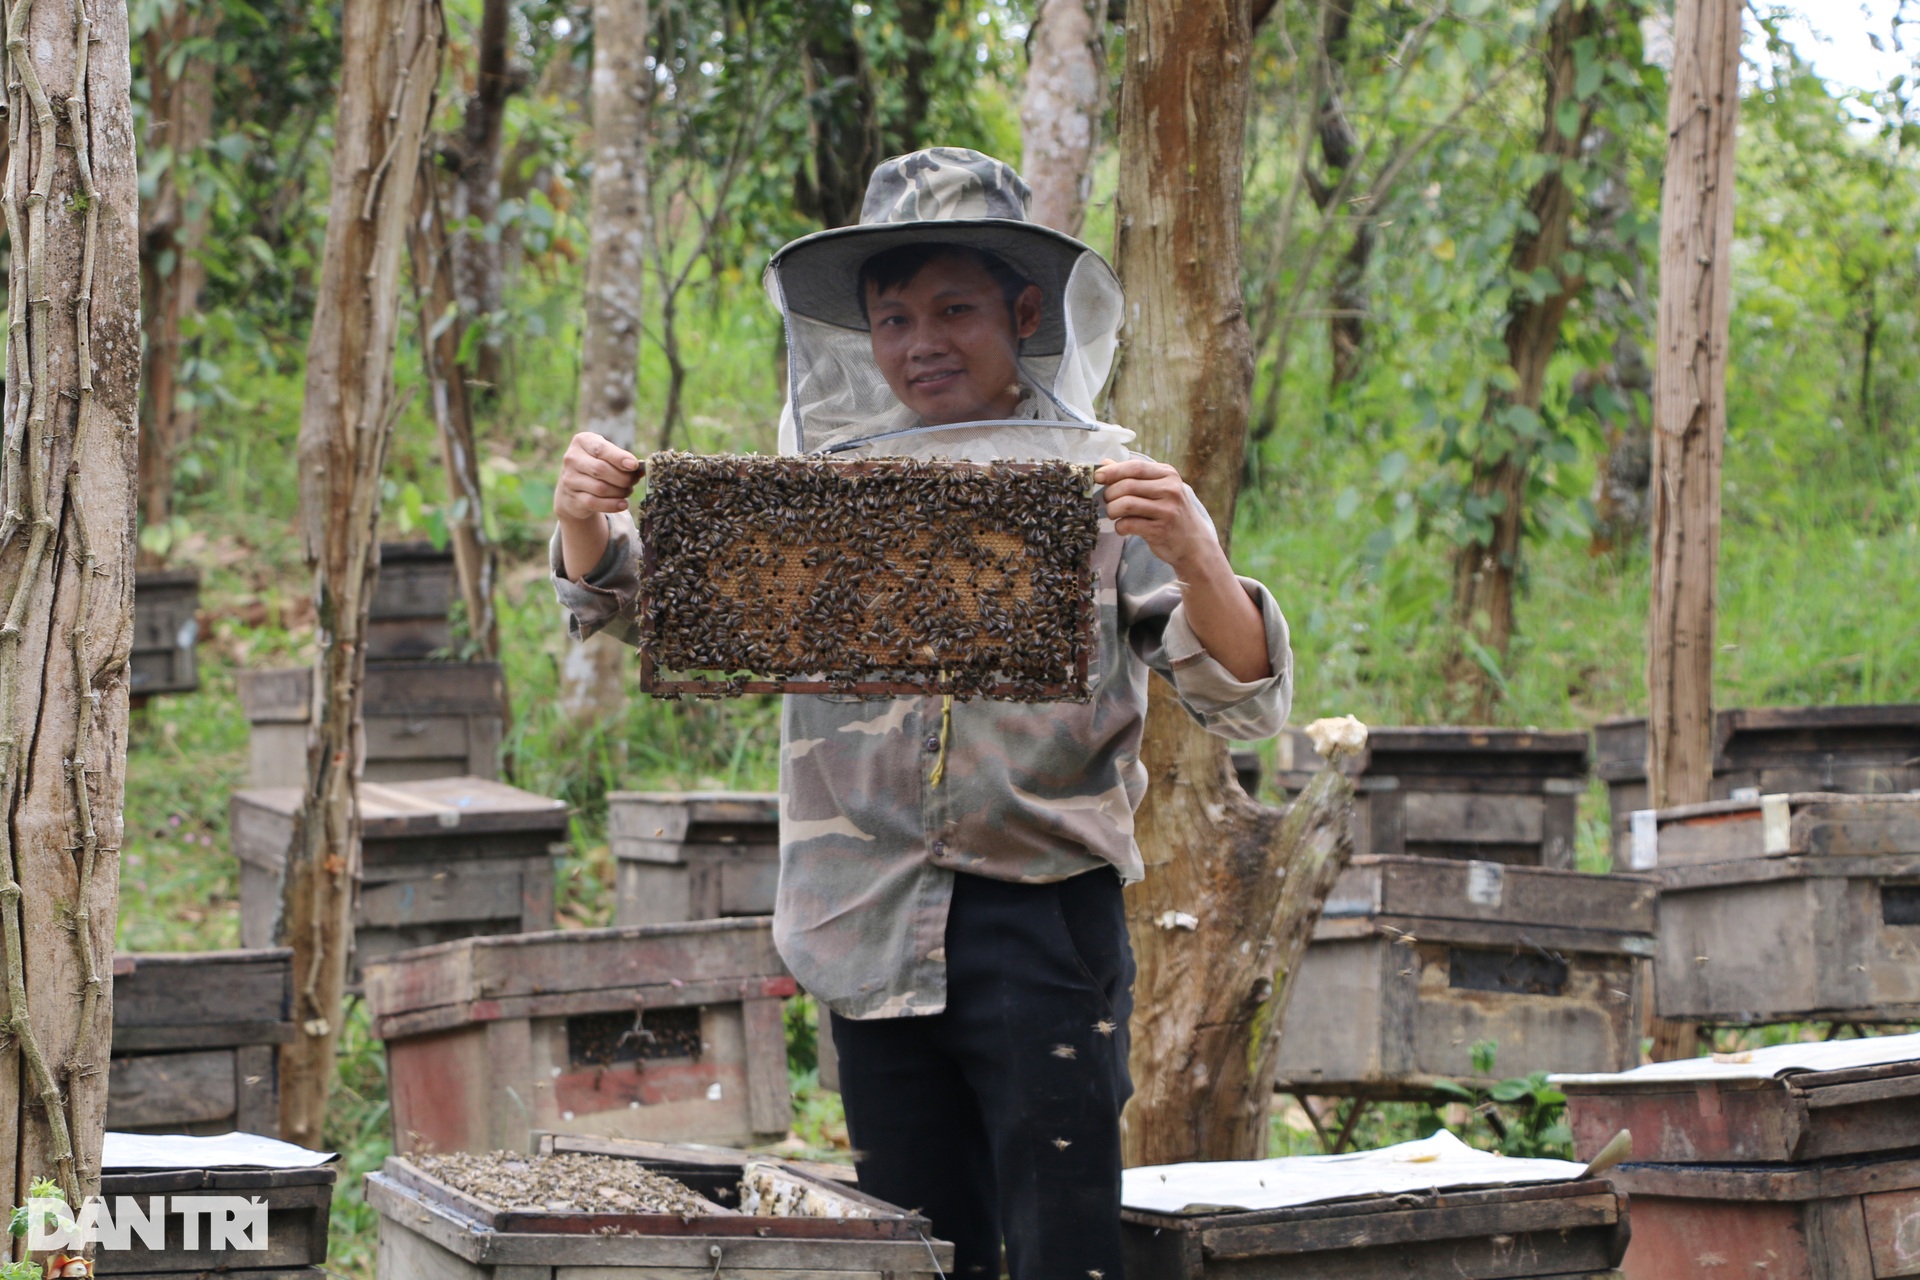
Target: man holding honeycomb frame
x,y
950,876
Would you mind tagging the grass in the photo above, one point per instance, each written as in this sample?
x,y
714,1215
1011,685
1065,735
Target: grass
x,y
1819,597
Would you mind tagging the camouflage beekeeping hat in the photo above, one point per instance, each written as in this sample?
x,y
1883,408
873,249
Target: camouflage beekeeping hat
x,y
948,195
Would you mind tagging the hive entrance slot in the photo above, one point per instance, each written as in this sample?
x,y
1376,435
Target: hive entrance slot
x,y
1511,972
1900,903
603,1039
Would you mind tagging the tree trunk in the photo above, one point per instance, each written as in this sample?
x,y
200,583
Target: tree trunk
x,y
919,23
1484,571
1060,112
1339,151
391,52
173,228
843,123
1208,1000
451,404
475,195
1690,412
592,677
66,575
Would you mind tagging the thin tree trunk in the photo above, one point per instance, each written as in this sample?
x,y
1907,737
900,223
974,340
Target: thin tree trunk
x,y
172,230
592,676
391,52
919,23
1339,151
843,124
70,467
451,405
1060,111
1209,1000
1690,413
1484,571
475,194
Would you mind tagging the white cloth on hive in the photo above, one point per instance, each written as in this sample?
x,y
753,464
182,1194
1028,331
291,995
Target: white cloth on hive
x,y
223,1151
1442,1161
1765,1064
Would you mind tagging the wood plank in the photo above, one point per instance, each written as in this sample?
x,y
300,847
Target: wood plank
x,y
1517,896
566,1004
441,737
483,889
650,893
256,1088
1462,817
170,1088
1423,1225
1767,1183
769,1096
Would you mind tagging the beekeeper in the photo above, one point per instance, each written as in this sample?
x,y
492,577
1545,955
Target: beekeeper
x,y
950,885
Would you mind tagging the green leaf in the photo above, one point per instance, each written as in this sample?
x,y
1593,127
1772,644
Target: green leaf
x,y
1454,1089
1346,504
1392,467
1510,1090
1567,119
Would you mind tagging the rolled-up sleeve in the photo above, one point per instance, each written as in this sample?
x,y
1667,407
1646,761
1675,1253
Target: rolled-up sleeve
x,y
1155,620
608,598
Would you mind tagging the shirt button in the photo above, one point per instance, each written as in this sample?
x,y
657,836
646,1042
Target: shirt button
x,y
939,847
933,745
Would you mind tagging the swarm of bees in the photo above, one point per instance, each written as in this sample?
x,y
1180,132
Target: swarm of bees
x,y
875,578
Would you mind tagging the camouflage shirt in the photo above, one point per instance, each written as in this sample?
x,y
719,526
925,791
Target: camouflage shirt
x,y
869,844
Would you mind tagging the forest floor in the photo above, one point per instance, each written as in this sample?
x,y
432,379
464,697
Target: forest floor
x,y
1819,593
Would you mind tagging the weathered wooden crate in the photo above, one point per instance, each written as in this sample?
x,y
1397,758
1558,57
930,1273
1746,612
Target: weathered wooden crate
x,y
422,720
1415,960
1864,749
416,590
1494,795
440,859
693,855
671,1032
428,1229
1558,1231
298,1203
195,1038
1788,908
166,603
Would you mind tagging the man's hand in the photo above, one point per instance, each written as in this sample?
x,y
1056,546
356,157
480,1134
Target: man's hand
x,y
597,477
1148,499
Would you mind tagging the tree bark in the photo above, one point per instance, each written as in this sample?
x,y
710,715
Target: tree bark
x,y
391,53
1484,571
69,470
1339,151
1209,1000
919,23
843,122
1690,412
449,392
475,190
1060,111
592,676
173,228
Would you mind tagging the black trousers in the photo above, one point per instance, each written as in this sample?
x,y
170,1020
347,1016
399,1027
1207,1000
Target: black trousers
x,y
999,1119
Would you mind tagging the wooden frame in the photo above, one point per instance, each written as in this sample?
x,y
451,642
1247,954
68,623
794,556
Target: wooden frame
x,y
485,1036
411,602
195,1038
1415,960
426,1232
1558,1231
932,683
166,603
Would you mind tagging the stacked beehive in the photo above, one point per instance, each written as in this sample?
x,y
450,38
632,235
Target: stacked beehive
x,y
166,604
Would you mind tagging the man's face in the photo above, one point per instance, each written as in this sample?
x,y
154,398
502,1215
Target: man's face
x,y
948,344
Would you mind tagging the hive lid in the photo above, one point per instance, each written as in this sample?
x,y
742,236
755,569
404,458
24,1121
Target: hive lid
x,y
1441,1162
1801,823
1451,751
1453,889
431,807
1742,734
1762,1064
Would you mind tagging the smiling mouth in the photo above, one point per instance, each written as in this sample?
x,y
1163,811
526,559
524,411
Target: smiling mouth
x,y
934,381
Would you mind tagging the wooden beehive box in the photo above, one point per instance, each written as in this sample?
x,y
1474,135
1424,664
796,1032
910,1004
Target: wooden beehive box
x,y
411,600
428,1229
1495,795
440,859
422,720
165,607
1799,1162
195,1039
693,855
1788,908
880,576
669,1032
298,1204
1415,960
1867,749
